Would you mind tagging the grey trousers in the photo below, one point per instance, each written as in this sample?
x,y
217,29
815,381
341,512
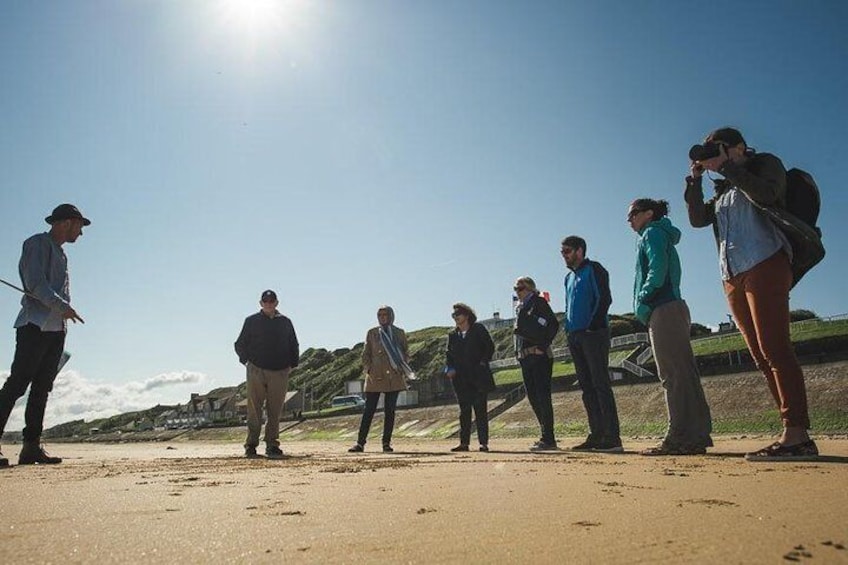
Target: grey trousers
x,y
689,421
265,389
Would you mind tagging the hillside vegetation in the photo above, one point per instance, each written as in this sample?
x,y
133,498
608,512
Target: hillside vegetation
x,y
324,372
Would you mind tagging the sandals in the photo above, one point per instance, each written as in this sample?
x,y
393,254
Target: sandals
x,y
805,451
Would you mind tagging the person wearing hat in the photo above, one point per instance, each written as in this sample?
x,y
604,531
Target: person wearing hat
x,y
385,360
755,265
469,351
40,328
267,346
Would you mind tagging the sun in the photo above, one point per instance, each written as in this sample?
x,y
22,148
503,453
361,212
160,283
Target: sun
x,y
255,17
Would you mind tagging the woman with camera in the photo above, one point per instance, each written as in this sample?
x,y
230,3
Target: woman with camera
x,y
469,351
658,305
755,262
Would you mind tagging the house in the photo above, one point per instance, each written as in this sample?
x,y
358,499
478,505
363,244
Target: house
x,y
496,322
293,403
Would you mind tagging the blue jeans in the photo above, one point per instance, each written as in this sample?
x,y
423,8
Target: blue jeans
x,y
536,371
590,352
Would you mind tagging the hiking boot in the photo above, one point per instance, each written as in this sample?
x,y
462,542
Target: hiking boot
x,y
387,448
273,452
358,448
460,447
33,453
484,448
250,452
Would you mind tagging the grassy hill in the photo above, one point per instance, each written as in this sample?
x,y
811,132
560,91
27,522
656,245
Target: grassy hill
x,y
325,372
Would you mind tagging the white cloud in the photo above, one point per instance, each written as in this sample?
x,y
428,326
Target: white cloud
x,y
74,397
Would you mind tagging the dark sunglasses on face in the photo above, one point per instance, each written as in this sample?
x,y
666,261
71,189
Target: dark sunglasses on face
x,y
632,213
456,315
519,288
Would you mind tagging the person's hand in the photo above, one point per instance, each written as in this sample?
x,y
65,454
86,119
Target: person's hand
x,y
71,314
716,162
696,169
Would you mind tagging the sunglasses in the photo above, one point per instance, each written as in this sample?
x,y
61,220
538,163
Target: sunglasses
x,y
632,213
519,288
456,315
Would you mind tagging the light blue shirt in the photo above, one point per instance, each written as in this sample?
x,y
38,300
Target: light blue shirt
x,y
746,236
44,273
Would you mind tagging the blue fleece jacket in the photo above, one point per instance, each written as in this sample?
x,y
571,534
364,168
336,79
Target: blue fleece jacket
x,y
658,270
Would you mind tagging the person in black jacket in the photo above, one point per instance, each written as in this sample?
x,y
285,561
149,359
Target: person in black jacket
x,y
535,329
470,349
267,346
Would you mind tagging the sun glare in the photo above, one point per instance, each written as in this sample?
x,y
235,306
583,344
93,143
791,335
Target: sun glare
x,y
255,17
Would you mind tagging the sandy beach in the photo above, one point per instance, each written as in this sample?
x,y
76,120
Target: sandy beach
x,y
197,502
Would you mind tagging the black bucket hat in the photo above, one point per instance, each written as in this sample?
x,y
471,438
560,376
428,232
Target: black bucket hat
x,y
66,212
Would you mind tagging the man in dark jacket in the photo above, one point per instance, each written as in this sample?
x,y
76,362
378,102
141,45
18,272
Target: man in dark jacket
x,y
587,302
267,346
535,329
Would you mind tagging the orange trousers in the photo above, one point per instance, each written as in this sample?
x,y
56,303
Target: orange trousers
x,y
759,302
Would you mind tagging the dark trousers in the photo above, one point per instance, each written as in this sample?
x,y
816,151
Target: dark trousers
x,y
36,363
389,405
536,371
590,352
478,401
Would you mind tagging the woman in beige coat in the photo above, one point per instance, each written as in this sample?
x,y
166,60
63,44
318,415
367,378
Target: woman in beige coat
x,y
385,359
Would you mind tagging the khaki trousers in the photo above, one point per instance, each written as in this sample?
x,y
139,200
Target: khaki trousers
x,y
265,389
759,301
689,420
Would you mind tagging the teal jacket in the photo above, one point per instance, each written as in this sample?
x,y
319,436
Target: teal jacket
x,y
657,268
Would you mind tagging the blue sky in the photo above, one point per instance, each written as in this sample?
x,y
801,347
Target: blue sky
x,y
354,153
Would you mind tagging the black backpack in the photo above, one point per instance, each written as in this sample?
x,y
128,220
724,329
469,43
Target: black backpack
x,y
802,197
798,219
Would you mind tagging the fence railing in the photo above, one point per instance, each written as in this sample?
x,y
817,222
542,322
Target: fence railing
x,y
506,358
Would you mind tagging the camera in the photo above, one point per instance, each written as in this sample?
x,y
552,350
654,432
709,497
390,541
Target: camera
x,y
706,151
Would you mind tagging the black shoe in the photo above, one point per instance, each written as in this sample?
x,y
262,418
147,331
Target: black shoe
x,y
668,448
460,447
358,448
273,452
587,445
804,451
544,446
33,454
3,461
387,448
609,446
484,448
250,452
